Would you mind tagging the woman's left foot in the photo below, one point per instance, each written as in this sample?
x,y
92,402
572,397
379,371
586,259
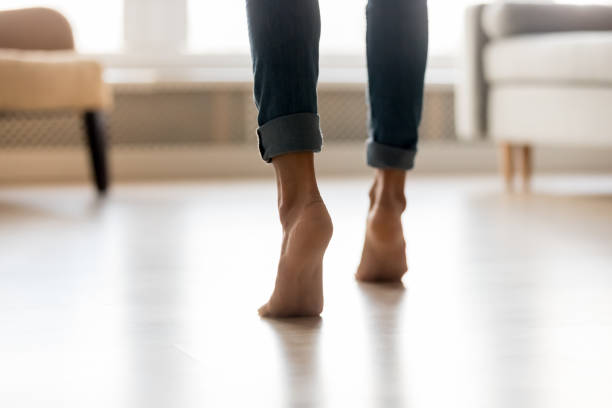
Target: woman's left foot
x,y
384,251
307,230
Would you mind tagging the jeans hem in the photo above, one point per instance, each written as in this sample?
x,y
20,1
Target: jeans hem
x,y
389,157
297,132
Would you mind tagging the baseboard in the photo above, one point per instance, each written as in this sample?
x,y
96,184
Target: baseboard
x,y
71,164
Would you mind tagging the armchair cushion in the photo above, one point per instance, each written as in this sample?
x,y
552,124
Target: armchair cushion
x,y
506,19
47,80
559,58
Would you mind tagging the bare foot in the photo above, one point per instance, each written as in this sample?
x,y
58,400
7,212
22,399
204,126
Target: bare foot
x,y
307,230
384,251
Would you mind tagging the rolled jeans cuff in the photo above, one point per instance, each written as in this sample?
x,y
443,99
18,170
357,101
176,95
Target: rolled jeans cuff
x,y
297,132
385,156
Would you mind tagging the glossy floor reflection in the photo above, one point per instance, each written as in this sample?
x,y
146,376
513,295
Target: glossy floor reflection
x,y
149,299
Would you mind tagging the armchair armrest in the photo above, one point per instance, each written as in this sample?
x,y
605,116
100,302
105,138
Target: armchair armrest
x,y
35,29
471,88
505,19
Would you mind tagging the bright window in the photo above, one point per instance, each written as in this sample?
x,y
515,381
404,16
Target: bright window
x,y
584,2
220,27
97,25
217,27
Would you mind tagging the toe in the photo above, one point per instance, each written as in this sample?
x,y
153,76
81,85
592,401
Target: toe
x,y
264,311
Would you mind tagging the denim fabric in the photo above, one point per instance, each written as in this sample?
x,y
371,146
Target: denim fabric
x,y
284,37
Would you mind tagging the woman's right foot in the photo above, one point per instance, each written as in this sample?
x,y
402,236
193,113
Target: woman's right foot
x,y
384,251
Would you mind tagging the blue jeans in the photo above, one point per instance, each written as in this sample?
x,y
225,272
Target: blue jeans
x,y
284,37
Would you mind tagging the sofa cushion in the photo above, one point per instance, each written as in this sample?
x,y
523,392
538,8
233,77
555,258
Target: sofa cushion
x,y
49,80
550,115
578,57
505,19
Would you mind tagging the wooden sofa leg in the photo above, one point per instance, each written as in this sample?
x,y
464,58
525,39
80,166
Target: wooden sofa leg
x,y
96,139
507,164
526,166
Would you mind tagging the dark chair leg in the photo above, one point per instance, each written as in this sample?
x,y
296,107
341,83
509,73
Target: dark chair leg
x,y
96,138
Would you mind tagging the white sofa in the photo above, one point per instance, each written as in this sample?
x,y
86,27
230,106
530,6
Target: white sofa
x,y
535,74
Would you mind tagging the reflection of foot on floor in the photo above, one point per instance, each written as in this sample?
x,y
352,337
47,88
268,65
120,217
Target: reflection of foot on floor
x,y
384,251
307,230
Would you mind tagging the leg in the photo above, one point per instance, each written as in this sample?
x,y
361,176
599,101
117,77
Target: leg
x,y
284,38
96,139
396,72
507,164
307,229
526,166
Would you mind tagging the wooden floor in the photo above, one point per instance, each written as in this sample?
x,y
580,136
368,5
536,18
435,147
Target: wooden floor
x,y
149,299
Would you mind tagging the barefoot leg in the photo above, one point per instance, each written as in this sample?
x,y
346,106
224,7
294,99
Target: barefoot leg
x,y
384,250
307,229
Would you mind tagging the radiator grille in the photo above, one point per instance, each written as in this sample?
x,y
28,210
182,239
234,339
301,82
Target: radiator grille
x,y
166,115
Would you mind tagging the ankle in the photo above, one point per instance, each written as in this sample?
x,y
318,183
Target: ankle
x,y
290,207
297,184
387,192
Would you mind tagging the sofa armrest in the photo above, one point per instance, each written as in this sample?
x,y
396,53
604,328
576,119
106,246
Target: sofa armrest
x,y
505,19
471,88
35,29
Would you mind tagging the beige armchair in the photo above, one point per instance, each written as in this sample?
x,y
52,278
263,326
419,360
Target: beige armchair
x,y
40,71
